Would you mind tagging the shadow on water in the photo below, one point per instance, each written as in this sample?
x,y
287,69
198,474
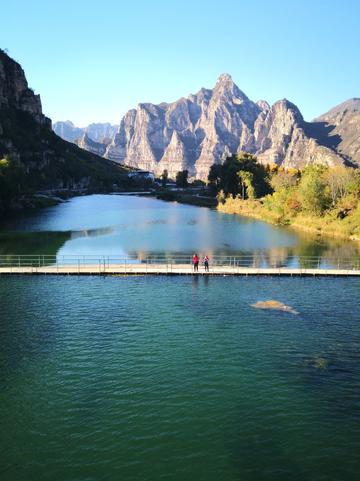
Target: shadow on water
x,y
27,334
261,456
32,243
331,374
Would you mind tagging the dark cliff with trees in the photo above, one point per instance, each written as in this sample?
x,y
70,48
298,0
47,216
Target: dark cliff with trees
x,y
32,156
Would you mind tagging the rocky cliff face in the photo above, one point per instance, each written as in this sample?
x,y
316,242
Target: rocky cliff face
x,y
101,132
195,132
191,133
91,146
15,92
200,130
283,137
342,124
26,138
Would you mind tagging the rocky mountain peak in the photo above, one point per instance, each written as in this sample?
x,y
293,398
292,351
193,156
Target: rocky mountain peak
x,y
288,108
263,105
225,86
224,78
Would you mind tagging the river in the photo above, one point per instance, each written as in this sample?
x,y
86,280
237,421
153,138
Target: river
x,y
174,378
139,227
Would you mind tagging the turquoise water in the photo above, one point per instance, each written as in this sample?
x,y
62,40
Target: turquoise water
x,y
138,227
150,378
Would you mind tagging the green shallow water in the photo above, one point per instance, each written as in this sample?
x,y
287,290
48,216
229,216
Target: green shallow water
x,y
178,379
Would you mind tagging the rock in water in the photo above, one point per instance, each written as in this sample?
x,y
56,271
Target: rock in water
x,y
274,305
317,363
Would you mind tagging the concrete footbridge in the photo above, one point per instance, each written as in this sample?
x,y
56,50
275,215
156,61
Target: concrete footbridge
x,y
249,265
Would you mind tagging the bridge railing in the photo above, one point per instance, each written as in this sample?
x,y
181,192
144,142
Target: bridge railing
x,y
241,261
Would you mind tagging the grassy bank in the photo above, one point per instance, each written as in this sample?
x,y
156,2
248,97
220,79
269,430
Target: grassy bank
x,y
329,224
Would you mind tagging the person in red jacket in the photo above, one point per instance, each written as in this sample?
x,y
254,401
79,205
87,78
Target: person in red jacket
x,y
195,261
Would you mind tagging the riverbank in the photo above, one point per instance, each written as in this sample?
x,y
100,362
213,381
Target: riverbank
x,y
329,225
196,198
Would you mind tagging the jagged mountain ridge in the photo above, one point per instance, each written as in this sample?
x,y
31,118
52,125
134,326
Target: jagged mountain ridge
x,y
195,132
191,133
204,128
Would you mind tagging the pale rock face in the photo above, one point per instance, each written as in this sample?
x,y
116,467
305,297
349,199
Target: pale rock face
x,y
68,131
343,126
263,105
192,133
273,131
90,145
280,138
227,124
174,158
101,132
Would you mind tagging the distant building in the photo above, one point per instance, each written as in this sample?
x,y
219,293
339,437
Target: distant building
x,y
142,175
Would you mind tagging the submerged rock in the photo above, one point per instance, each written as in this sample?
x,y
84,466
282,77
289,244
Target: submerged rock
x,y
275,305
317,363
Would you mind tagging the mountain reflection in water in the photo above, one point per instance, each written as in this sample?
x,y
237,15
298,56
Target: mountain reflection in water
x,y
143,227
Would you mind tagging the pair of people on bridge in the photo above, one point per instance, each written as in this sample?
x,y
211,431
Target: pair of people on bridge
x,y
196,260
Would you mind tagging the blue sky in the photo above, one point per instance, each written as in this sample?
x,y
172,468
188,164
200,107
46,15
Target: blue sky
x,y
92,61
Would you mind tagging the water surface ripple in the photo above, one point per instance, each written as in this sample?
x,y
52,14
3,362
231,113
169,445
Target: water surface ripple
x,y
179,378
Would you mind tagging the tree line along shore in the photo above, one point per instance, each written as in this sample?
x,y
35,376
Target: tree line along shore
x,y
320,199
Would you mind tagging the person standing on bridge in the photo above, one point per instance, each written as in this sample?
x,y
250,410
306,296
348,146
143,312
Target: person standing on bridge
x,y
206,263
195,261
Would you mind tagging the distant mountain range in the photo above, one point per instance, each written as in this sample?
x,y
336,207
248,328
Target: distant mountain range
x,y
195,132
99,132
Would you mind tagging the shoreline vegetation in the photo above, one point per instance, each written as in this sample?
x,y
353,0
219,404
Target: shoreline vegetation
x,y
318,199
321,226
321,200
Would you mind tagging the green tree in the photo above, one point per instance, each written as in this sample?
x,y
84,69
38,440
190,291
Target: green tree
x,y
214,177
164,177
283,179
247,184
182,178
11,181
339,179
226,176
354,187
313,190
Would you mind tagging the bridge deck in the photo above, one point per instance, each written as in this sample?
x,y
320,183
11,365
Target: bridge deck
x,y
171,269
